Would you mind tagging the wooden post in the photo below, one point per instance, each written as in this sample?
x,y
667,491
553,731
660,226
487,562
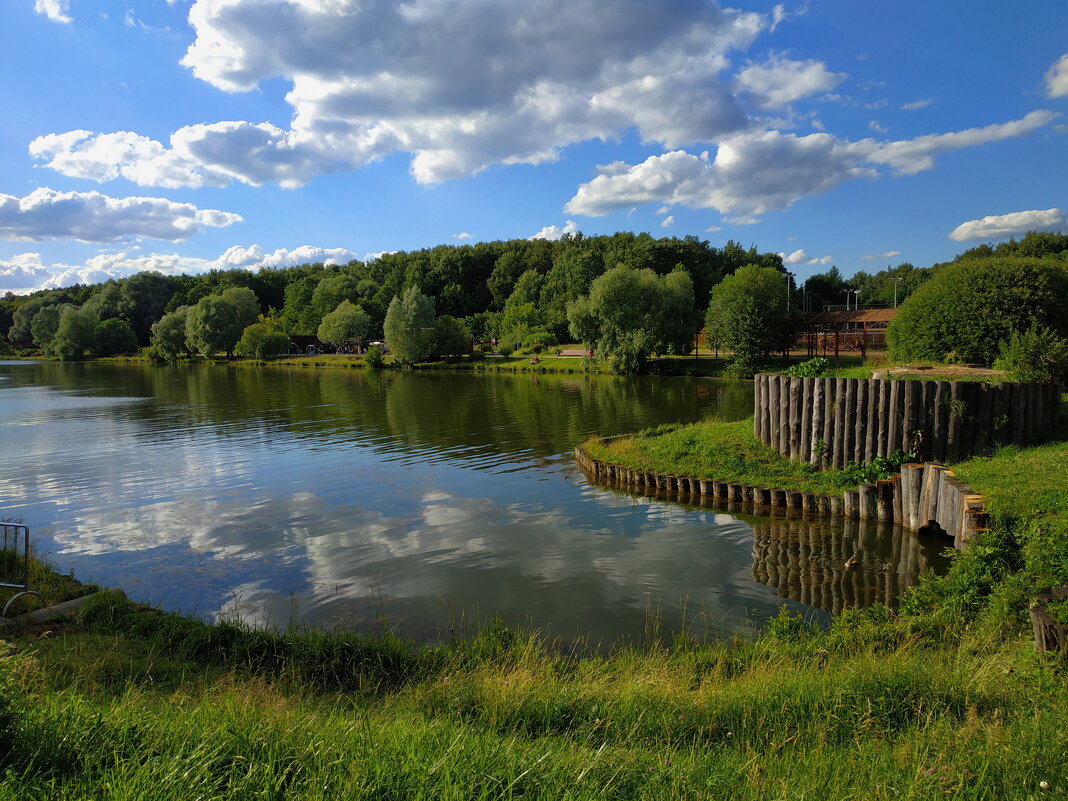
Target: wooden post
x,y
940,415
840,423
778,497
806,419
834,503
860,421
772,437
872,422
893,418
907,421
815,438
762,495
795,418
850,503
784,416
969,398
884,501
911,494
867,503
898,509
848,424
926,418
758,390
953,421
885,411
830,410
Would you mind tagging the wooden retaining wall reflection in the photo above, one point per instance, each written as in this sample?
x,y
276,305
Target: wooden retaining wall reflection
x,y
922,497
830,422
806,561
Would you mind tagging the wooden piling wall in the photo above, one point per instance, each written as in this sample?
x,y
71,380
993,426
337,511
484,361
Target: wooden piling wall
x,y
830,422
922,496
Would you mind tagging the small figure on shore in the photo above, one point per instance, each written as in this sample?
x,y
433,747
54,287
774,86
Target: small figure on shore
x,y
535,360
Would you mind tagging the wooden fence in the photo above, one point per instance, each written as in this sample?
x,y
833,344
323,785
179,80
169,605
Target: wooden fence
x,y
830,422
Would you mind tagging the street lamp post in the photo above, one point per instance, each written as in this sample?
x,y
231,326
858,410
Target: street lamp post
x,y
896,282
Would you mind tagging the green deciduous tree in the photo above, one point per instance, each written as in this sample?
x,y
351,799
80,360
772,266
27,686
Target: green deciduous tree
x,y
451,337
262,339
969,307
115,336
345,323
168,335
44,325
631,314
213,325
76,334
747,315
409,326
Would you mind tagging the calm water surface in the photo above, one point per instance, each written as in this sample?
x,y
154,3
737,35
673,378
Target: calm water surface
x,y
419,501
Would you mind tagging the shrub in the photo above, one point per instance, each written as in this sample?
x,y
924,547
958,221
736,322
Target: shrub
x,y
1037,354
260,340
968,307
810,369
375,357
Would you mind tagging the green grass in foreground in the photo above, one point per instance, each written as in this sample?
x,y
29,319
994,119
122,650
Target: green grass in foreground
x,y
130,704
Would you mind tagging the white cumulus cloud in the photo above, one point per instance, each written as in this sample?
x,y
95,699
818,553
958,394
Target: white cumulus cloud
x,y
799,256
759,171
555,232
26,272
888,255
781,81
55,10
459,86
999,226
1057,78
668,221
93,217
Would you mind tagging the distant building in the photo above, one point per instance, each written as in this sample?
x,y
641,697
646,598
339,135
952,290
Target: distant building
x,y
833,330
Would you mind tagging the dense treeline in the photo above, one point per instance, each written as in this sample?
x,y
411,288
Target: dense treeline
x,y
627,296
517,290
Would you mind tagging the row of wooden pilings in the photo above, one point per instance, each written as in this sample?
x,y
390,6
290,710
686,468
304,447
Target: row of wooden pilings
x,y
830,422
922,496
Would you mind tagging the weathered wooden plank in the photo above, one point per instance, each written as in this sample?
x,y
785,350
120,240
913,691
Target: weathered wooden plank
x,y
773,412
895,402
784,415
795,417
830,410
953,420
969,398
816,439
884,412
841,386
807,385
940,417
860,420
848,423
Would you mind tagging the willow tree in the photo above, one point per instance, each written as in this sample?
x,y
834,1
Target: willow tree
x,y
632,314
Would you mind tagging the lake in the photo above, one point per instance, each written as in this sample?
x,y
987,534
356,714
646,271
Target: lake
x,y
423,502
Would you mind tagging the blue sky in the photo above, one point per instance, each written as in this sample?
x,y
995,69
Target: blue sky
x,y
192,134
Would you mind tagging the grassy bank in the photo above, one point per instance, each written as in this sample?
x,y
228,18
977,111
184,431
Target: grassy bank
x,y
726,451
126,703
